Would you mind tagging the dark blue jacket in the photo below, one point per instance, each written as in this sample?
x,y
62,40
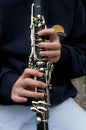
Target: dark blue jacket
x,y
65,16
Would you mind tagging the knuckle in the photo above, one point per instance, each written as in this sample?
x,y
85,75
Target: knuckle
x,y
26,70
13,97
53,30
60,45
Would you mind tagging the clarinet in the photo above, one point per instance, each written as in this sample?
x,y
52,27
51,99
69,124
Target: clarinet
x,y
40,106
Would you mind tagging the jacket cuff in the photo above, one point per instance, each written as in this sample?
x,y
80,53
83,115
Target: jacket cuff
x,y
6,86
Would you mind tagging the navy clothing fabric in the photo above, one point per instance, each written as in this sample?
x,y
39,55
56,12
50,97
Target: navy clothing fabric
x,y
15,48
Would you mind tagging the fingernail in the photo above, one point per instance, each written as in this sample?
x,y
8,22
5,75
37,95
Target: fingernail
x,y
39,33
42,94
41,53
40,44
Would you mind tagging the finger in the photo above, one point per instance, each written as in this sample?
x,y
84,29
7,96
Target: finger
x,y
51,32
33,94
50,45
31,72
31,83
50,53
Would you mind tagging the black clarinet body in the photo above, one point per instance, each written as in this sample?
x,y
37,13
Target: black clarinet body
x,y
40,106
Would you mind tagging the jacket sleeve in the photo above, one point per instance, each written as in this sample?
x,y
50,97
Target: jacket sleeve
x,y
72,63
7,76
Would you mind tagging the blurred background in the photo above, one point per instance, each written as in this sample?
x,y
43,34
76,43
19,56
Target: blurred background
x,y
80,84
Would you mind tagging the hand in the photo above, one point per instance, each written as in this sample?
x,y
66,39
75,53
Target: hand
x,y
52,46
24,87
